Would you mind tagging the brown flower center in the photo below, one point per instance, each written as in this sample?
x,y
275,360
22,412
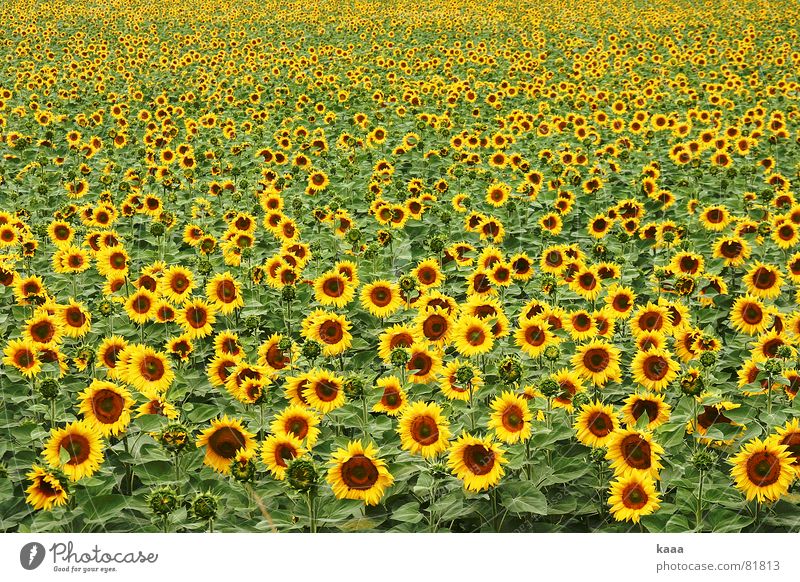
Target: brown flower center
x,y
226,441
763,469
424,430
77,447
107,406
635,451
359,473
478,459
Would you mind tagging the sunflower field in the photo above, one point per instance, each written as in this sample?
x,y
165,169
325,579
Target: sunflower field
x,y
441,266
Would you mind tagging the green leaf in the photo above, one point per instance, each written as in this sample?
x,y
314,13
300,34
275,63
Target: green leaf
x,y
523,497
408,513
724,520
103,507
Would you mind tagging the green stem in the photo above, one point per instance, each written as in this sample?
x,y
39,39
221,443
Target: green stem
x,y
493,495
431,520
365,412
699,510
471,409
312,517
528,467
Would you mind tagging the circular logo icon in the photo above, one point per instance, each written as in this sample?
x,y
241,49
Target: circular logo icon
x,y
31,555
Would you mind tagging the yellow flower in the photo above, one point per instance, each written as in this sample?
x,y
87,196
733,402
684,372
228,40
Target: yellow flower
x,y
511,418
763,470
278,450
45,490
632,497
75,449
423,429
357,473
477,462
223,440
106,407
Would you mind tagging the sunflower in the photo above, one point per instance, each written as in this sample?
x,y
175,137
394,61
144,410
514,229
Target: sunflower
x,y
477,462
633,452
435,325
46,490
330,329
397,336
75,320
197,318
763,470
586,283
156,405
534,336
510,419
688,263
789,436
245,376
226,343
649,404
220,368
22,354
455,389
298,422
581,325
278,450
632,497
569,384
763,281
715,218
785,235
357,473
141,306
293,389
472,336
70,260
654,369
423,364
497,194
333,289
108,353
225,293
620,301
553,259
423,429
381,298
428,274
318,181
147,369
75,449
749,315
733,250
223,440
106,407
29,290
324,391
394,399
597,361
488,309
177,284
651,317
712,414
271,356
768,343
595,424
112,261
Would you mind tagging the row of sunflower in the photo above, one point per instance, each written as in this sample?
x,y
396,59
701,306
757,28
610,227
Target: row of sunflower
x,y
488,265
